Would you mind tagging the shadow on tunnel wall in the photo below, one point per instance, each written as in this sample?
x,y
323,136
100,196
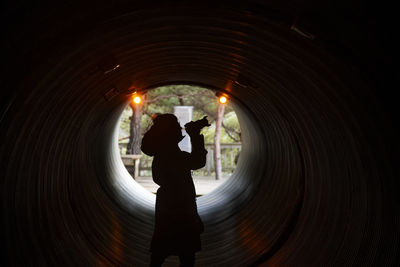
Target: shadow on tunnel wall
x,y
312,83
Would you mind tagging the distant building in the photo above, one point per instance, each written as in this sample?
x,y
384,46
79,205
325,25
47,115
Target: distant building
x,y
184,115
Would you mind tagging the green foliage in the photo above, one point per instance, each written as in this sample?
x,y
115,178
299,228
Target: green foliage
x,y
124,121
231,123
204,102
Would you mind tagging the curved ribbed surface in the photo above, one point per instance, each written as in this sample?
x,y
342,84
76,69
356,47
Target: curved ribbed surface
x,y
310,188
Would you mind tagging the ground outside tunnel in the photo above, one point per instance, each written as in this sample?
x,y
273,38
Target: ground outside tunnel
x,y
203,184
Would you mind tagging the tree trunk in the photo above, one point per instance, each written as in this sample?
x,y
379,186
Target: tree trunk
x,y
181,101
217,148
133,147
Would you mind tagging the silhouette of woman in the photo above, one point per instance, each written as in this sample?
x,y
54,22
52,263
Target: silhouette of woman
x,y
177,224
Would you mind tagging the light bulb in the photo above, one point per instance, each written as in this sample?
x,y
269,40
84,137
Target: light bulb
x,y
223,100
137,99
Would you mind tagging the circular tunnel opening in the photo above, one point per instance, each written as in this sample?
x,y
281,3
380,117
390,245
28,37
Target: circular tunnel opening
x,y
218,199
188,103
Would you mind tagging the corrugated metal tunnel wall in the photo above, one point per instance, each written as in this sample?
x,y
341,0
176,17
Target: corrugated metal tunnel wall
x,y
314,186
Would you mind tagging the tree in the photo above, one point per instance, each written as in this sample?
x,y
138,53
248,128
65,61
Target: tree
x,y
164,98
217,136
135,131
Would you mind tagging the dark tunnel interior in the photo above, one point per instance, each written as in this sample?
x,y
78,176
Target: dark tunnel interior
x,y
311,85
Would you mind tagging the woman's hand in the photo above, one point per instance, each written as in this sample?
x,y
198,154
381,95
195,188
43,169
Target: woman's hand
x,y
193,128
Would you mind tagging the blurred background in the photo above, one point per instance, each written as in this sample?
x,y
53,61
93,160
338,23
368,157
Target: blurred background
x,y
187,102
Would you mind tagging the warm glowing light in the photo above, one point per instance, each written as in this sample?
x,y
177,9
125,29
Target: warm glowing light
x,y
223,100
137,99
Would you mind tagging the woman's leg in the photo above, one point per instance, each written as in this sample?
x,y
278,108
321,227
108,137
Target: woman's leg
x,y
157,260
186,259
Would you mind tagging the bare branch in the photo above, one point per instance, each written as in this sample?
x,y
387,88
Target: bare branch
x,y
228,132
171,95
209,114
160,97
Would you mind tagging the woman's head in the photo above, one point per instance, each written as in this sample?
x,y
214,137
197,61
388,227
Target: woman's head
x,y
165,132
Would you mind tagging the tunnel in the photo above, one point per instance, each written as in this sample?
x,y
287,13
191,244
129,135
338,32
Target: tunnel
x,y
316,181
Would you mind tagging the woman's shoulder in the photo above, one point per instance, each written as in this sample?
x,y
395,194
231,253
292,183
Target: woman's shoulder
x,y
171,157
185,155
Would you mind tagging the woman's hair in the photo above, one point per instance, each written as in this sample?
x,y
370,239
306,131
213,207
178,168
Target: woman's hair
x,y
164,132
